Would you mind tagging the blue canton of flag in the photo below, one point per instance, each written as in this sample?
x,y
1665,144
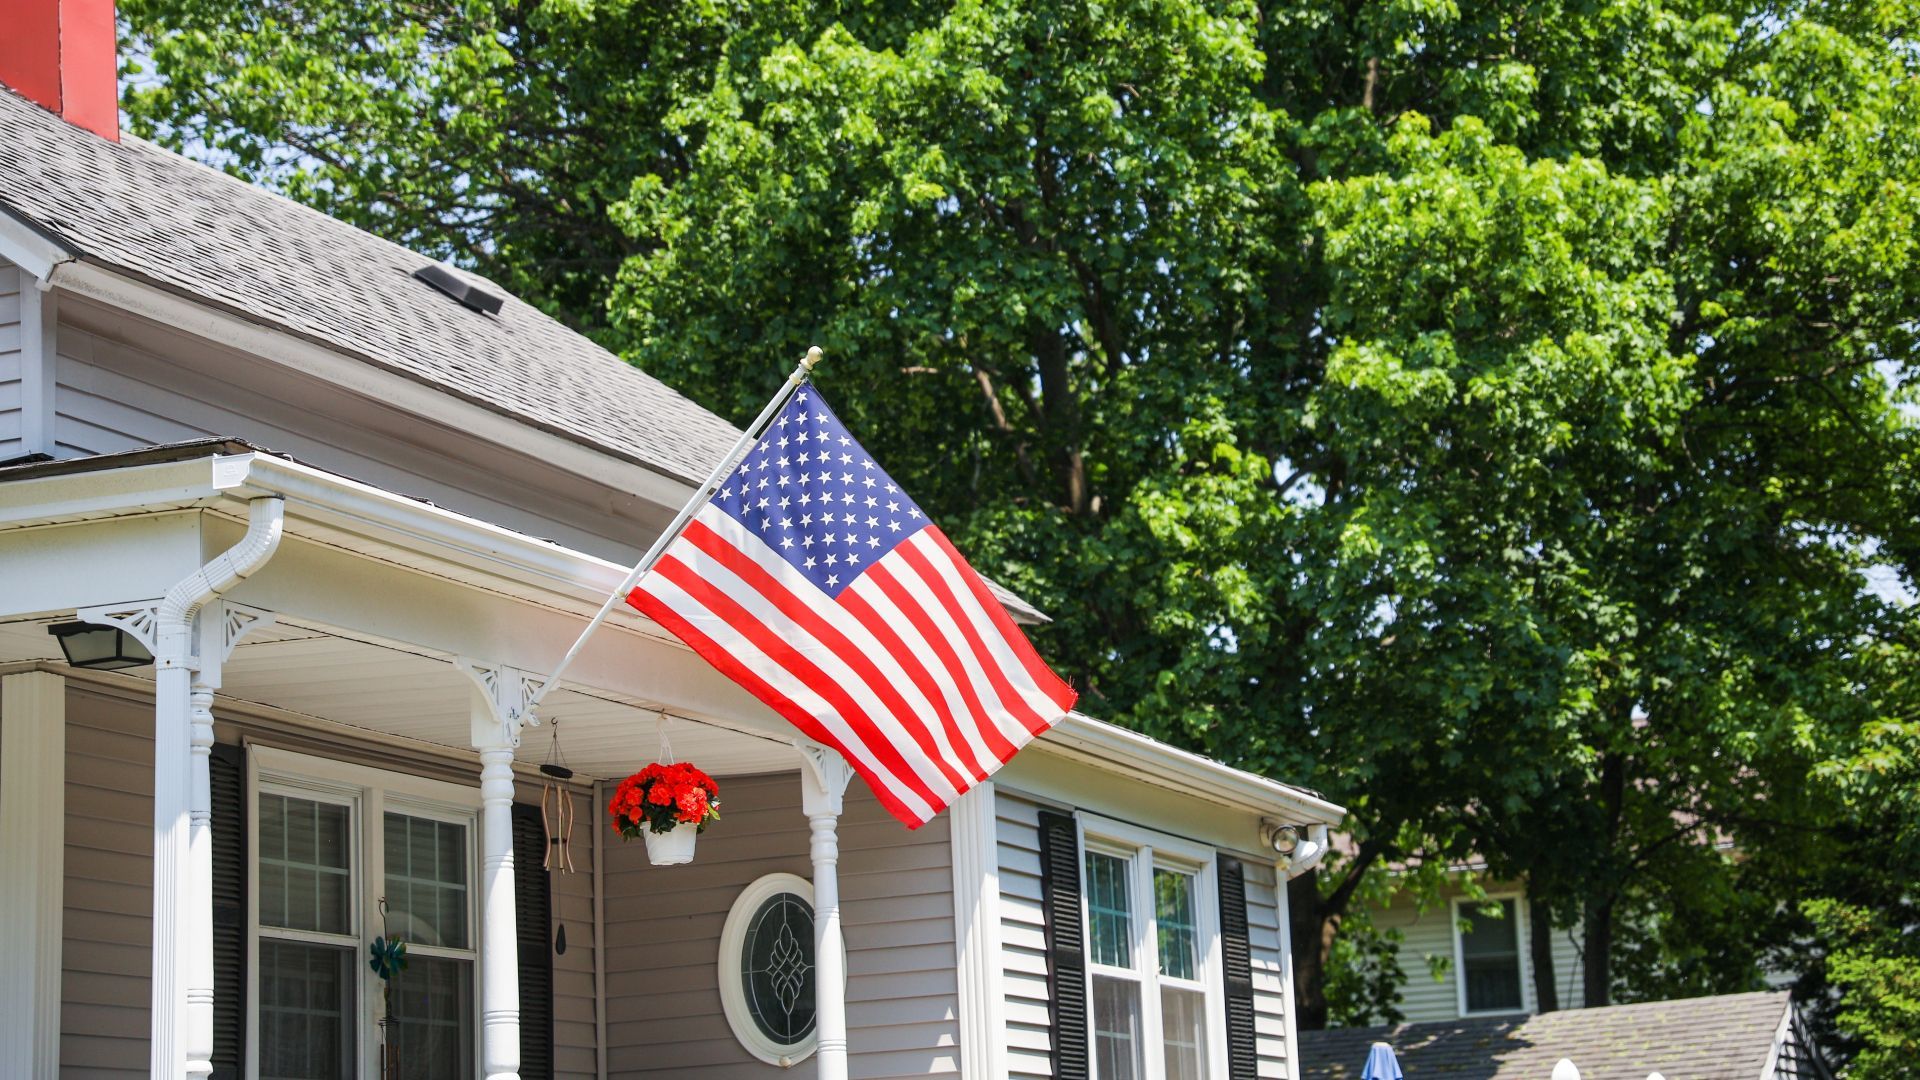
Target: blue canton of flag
x,y
816,497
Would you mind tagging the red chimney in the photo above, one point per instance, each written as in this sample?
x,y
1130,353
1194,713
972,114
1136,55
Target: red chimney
x,y
61,54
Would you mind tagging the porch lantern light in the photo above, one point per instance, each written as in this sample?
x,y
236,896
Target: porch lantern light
x,y
101,648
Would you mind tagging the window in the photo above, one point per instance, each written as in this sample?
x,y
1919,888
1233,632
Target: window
x,y
330,841
767,969
1153,956
1487,955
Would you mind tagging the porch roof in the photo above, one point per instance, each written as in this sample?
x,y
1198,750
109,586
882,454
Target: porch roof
x,y
514,599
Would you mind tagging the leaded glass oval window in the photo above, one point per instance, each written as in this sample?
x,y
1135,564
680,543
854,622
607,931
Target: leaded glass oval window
x,y
776,968
767,969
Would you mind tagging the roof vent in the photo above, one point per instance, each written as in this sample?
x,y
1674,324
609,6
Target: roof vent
x,y
454,285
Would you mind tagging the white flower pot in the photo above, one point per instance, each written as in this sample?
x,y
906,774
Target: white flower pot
x,y
673,847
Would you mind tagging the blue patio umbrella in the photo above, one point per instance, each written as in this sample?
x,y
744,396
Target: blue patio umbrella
x,y
1381,1064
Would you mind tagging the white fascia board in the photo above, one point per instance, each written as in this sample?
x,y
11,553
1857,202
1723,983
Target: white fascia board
x,y
364,377
1133,752
132,489
354,509
30,249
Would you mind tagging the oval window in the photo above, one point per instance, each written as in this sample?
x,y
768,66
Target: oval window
x,y
767,969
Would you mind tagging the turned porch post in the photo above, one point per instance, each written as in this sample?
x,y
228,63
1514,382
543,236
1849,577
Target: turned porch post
x,y
823,780
500,709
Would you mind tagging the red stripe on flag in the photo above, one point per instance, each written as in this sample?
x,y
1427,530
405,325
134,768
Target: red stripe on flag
x,y
758,579
883,577
1049,683
727,664
1016,703
883,631
744,623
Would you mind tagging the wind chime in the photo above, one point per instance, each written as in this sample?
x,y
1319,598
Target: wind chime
x,y
556,820
556,807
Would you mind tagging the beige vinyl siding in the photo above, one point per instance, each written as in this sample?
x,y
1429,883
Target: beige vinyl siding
x,y
10,281
122,384
1567,970
1023,950
663,929
108,933
1269,975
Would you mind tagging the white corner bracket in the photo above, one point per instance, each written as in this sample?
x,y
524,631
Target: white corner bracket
x,y
824,778
503,703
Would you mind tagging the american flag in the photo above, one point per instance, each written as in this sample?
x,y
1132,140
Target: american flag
x,y
814,582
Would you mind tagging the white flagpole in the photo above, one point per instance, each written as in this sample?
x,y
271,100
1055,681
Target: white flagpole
x,y
693,505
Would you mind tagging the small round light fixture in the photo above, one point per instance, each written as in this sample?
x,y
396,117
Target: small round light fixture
x,y
1282,838
101,648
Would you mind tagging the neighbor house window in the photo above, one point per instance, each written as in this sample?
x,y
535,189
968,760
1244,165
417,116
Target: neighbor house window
x,y
1152,951
332,841
1488,948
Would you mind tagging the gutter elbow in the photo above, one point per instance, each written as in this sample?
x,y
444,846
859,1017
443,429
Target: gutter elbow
x,y
266,519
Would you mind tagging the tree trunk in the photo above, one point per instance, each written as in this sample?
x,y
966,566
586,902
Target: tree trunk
x,y
1546,991
1596,970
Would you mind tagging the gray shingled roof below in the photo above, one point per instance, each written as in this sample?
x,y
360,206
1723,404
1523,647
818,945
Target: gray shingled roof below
x,y
193,230
1710,1038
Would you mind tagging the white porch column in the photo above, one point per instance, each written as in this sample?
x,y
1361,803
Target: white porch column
x,y
219,627
823,781
33,770
182,941
500,709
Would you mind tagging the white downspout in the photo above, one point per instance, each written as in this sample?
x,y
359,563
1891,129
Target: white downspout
x,y
182,991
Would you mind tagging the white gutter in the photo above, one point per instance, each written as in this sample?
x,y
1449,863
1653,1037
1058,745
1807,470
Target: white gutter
x,y
1134,751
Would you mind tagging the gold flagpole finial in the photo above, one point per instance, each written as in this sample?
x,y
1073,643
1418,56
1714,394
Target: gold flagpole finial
x,y
813,357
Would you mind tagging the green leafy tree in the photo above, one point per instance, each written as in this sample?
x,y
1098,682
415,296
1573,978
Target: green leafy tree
x,y
1484,414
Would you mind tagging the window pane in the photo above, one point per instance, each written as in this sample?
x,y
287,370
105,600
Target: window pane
x,y
1183,1026
305,883
1116,1029
431,1036
1173,917
1490,958
1109,910
306,1008
427,880
776,969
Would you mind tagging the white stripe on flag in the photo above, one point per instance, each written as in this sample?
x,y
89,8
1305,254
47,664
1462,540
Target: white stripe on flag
x,y
776,675
996,642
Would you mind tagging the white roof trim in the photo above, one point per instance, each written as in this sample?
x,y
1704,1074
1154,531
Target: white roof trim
x,y
540,571
30,249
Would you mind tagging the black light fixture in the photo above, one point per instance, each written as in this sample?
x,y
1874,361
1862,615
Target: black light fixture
x,y
102,648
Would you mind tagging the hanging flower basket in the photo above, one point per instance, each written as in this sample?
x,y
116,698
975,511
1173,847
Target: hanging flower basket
x,y
669,805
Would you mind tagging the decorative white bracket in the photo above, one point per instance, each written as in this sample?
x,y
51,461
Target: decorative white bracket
x,y
823,779
504,702
219,626
141,618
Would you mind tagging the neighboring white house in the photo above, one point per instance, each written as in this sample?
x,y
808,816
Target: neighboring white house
x,y
197,848
1467,957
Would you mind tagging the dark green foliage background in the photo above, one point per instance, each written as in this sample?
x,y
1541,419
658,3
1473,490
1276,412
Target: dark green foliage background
x,y
1483,413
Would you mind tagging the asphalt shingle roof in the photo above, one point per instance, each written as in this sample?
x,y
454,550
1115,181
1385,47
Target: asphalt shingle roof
x,y
1709,1038
194,230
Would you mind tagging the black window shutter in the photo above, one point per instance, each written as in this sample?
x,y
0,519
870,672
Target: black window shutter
x,y
1243,1060
226,782
1066,945
533,909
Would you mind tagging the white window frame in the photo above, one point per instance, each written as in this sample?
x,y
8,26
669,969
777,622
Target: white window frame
x,y
368,793
1464,905
1144,851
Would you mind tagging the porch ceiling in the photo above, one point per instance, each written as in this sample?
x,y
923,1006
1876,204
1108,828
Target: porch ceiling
x,y
321,673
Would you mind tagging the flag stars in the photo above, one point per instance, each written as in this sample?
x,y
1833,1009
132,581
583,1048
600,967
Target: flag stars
x,y
786,543
893,526
809,564
914,513
833,560
832,580
847,498
871,501
872,521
